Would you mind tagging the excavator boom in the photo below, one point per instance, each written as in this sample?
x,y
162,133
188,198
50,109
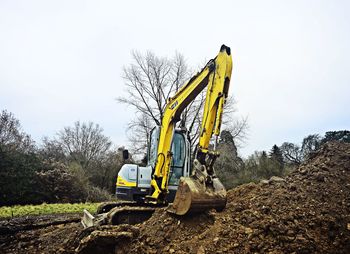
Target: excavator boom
x,y
203,190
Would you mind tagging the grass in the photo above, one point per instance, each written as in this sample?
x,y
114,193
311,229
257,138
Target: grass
x,y
21,210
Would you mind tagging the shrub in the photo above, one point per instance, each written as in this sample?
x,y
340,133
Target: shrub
x,y
60,183
96,194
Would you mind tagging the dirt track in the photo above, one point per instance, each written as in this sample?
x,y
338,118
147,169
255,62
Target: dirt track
x,y
307,212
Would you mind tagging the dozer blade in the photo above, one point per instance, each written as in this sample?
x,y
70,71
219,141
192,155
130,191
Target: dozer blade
x,y
88,219
194,196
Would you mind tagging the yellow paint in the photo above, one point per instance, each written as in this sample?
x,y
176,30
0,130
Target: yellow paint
x,y
216,77
124,183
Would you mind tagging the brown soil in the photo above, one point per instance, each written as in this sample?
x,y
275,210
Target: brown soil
x,y
38,234
307,212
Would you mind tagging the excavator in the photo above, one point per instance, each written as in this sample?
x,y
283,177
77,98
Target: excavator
x,y
172,178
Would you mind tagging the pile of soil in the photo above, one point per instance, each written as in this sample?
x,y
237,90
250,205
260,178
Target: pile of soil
x,y
306,212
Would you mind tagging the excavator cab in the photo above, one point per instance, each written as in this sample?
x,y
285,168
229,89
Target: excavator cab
x,y
134,182
181,155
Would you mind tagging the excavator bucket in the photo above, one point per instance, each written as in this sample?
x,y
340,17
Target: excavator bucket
x,y
195,196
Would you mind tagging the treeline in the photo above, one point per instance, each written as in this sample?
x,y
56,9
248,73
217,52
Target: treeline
x,y
279,161
79,164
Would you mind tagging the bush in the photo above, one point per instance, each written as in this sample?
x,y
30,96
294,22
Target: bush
x,y
60,183
96,194
18,184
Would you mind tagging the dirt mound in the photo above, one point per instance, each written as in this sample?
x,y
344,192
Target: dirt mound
x,y
307,212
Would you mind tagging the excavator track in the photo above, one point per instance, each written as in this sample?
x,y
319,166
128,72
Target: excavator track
x,y
116,213
129,215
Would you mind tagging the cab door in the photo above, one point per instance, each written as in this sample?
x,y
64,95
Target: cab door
x,y
179,159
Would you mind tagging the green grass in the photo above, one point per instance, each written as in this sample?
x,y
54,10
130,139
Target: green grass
x,y
19,210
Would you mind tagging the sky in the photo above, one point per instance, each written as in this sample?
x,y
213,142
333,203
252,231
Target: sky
x,y
61,61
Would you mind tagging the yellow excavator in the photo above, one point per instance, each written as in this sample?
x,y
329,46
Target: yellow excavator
x,y
171,175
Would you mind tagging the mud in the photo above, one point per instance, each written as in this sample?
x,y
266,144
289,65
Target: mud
x,y
307,212
39,234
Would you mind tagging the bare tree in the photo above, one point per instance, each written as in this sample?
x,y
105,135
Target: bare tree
x,y
292,153
52,149
237,126
84,142
310,144
138,132
150,81
11,134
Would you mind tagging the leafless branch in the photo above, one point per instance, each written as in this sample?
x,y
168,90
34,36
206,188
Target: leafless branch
x,y
150,81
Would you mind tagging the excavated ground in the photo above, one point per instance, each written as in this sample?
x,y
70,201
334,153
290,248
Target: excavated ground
x,y
307,212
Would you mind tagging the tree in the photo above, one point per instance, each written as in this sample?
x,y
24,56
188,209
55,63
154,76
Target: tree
x,y
52,149
104,172
292,153
18,162
18,183
226,137
83,143
310,144
276,155
228,164
343,136
60,183
139,130
150,82
251,165
260,166
87,151
61,171
11,134
266,166
238,127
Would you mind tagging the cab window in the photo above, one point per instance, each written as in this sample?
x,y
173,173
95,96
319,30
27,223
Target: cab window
x,y
178,158
153,147
178,150
132,174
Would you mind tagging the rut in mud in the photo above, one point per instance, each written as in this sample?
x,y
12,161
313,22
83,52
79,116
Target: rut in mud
x,y
306,212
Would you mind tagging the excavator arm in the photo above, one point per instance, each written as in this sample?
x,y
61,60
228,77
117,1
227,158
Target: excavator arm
x,y
216,76
213,108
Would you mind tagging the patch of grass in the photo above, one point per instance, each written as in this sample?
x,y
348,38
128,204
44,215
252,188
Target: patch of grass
x,y
19,210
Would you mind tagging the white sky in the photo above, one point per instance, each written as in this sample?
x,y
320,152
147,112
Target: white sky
x,y
61,61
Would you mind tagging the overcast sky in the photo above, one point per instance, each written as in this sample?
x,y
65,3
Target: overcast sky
x,y
61,61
